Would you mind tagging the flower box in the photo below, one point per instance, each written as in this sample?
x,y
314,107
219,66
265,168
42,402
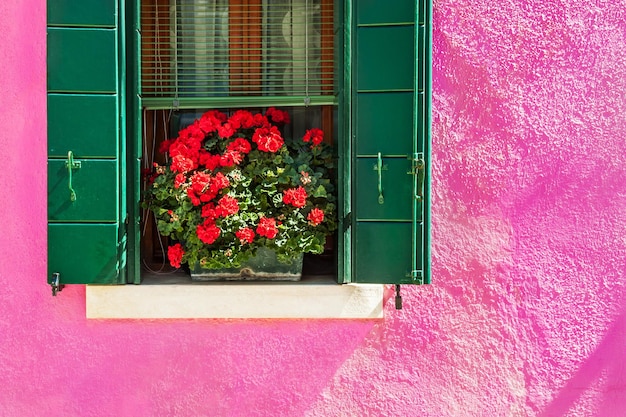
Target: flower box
x,y
262,266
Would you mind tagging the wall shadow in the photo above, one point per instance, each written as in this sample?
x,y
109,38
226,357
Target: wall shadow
x,y
606,364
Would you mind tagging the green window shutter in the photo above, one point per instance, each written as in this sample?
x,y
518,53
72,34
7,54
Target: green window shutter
x,y
86,150
390,124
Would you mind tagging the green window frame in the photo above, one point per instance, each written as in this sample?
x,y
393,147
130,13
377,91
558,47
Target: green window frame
x,y
383,103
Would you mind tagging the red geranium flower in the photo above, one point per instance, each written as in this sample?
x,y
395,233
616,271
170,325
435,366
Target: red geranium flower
x,y
316,216
267,227
175,255
241,118
211,120
295,196
245,235
268,139
227,205
314,135
208,232
165,145
226,130
277,116
182,164
239,145
230,158
208,211
260,120
209,160
192,132
220,181
179,180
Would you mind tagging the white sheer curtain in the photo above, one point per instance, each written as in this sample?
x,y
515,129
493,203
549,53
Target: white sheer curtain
x,y
290,43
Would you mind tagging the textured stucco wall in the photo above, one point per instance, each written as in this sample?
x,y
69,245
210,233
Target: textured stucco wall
x,y
527,313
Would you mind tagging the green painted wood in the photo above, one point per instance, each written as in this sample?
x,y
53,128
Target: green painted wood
x,y
134,140
385,58
82,12
391,117
382,11
383,253
397,187
85,124
96,186
392,137
343,142
156,103
83,253
82,60
86,89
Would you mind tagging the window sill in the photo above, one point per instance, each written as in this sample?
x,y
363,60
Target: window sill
x,y
179,298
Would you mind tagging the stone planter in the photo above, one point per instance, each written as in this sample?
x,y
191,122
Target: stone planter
x,y
263,266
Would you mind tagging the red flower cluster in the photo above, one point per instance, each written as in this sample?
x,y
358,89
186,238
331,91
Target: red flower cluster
x,y
268,139
226,130
295,196
314,135
277,116
188,154
242,119
175,255
208,232
316,216
205,187
218,164
239,145
226,206
267,227
245,235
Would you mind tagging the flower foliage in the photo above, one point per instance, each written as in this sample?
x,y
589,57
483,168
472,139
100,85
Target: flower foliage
x,y
234,184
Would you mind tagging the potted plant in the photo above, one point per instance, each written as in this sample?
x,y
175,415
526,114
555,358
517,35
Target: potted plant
x,y
235,196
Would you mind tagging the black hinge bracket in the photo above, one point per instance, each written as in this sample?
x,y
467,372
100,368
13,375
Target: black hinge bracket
x,y
398,298
56,283
347,221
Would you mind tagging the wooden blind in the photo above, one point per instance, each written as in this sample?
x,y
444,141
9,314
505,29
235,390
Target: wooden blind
x,y
216,53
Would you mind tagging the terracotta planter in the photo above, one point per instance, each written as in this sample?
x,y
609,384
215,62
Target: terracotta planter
x,y
263,266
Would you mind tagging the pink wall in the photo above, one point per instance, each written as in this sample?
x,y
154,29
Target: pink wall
x,y
527,313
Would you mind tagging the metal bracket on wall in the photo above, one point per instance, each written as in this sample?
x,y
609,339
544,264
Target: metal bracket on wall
x,y
56,283
347,221
398,298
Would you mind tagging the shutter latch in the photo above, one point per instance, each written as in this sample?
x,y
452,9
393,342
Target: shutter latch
x,y
56,283
71,165
417,169
380,168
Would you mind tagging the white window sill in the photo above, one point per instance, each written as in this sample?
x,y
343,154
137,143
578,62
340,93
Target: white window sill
x,y
179,298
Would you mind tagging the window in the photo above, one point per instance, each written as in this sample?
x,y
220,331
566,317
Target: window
x,y
374,95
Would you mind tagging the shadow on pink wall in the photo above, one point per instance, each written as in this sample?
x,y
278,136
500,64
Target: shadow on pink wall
x,y
606,367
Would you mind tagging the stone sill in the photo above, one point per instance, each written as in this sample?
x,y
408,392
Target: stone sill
x,y
177,297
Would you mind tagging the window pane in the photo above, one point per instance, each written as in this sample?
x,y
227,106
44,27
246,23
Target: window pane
x,y
222,48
